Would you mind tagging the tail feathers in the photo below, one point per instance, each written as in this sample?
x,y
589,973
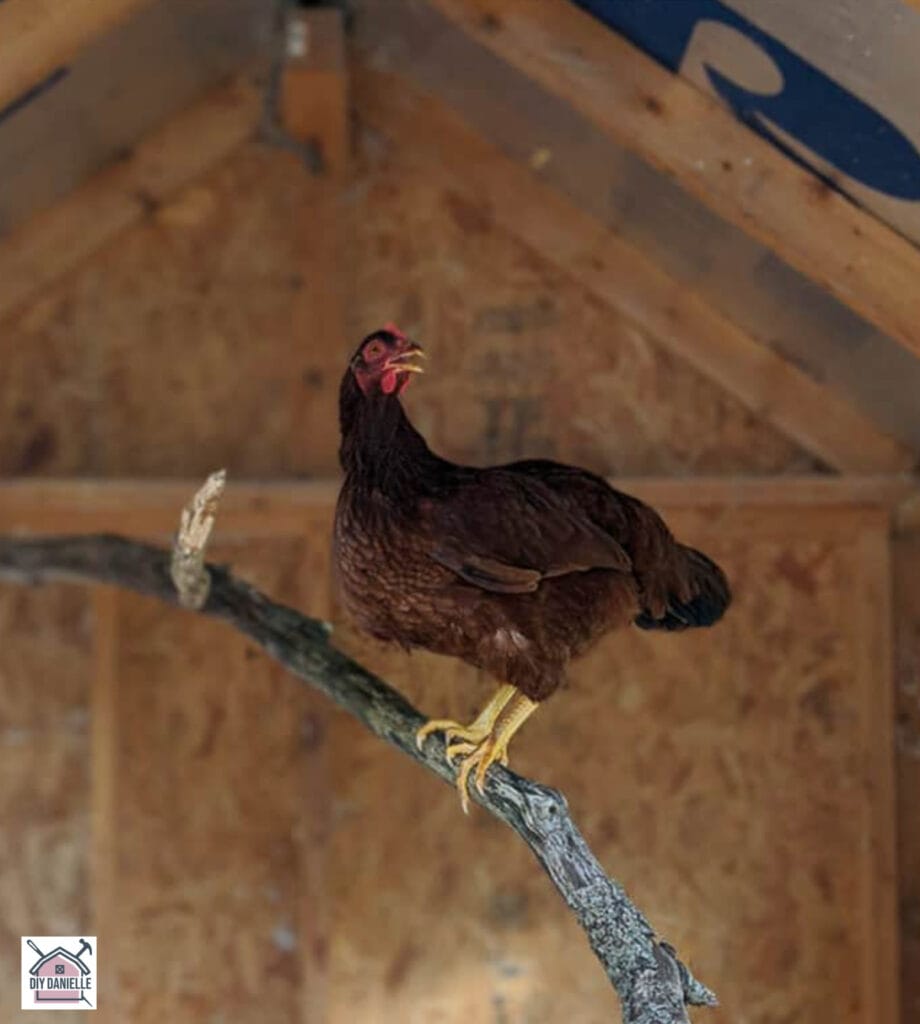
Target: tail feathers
x,y
711,595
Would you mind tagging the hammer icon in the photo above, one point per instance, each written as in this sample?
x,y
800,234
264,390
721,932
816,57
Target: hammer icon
x,y
85,947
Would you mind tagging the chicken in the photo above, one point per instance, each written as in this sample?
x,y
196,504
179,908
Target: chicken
x,y
516,569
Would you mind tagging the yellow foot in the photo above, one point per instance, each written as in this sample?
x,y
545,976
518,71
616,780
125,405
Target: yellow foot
x,y
481,757
469,735
483,742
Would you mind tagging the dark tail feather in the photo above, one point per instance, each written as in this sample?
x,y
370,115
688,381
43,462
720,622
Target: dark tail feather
x,y
711,596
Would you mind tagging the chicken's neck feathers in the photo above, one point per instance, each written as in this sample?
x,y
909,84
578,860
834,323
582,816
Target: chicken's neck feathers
x,y
380,449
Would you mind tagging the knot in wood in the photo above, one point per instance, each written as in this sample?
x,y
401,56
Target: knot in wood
x,y
543,811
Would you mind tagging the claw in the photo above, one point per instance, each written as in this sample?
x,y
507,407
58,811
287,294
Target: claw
x,y
488,758
482,743
462,782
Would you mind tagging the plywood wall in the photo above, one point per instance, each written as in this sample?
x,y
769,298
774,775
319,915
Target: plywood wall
x,y
721,775
46,674
213,794
186,344
245,853
254,848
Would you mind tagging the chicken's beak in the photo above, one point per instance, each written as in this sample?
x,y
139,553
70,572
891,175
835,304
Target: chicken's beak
x,y
410,360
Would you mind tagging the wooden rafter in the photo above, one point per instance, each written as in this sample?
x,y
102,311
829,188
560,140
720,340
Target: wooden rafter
x,y
625,279
690,137
59,239
148,507
727,268
314,111
38,36
905,555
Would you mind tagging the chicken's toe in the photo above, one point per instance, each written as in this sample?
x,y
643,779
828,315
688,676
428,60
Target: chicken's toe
x,y
469,735
482,743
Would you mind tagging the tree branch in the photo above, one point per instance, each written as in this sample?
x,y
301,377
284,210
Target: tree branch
x,y
651,982
187,567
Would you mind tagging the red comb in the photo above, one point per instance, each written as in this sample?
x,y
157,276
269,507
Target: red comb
x,y
393,329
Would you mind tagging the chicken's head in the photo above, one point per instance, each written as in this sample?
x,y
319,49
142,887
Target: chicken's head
x,y
385,361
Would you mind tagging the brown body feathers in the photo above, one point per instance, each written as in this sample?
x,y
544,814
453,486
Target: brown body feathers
x,y
515,569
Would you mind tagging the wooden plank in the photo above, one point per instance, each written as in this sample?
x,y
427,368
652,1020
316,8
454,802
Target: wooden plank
x,y
104,817
40,35
314,111
263,512
873,660
317,816
834,522
314,86
732,271
58,240
151,507
120,89
622,277
832,84
689,135
906,557
46,679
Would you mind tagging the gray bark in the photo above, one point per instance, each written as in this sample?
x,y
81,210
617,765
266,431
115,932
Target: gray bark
x,y
653,985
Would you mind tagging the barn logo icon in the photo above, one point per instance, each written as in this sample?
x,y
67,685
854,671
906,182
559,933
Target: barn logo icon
x,y
58,972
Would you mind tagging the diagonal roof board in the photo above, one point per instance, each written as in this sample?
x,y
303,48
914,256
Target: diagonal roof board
x,y
94,109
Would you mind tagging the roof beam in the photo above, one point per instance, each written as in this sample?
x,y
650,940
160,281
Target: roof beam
x,y
622,277
692,138
59,239
39,36
313,109
259,509
727,268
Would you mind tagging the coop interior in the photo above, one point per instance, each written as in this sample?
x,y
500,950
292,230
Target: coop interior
x,y
672,243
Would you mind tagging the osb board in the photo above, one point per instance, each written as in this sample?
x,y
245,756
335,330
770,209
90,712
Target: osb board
x,y
736,781
524,361
734,273
187,344
906,554
218,791
177,348
45,674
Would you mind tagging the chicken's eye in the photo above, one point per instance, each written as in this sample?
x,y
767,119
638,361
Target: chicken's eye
x,y
373,350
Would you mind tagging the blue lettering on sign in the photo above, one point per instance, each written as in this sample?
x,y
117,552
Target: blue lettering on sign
x,y
822,115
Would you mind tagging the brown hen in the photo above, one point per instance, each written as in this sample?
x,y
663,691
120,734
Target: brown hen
x,y
516,569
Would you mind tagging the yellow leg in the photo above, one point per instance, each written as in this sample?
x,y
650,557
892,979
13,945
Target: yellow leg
x,y
486,740
473,733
